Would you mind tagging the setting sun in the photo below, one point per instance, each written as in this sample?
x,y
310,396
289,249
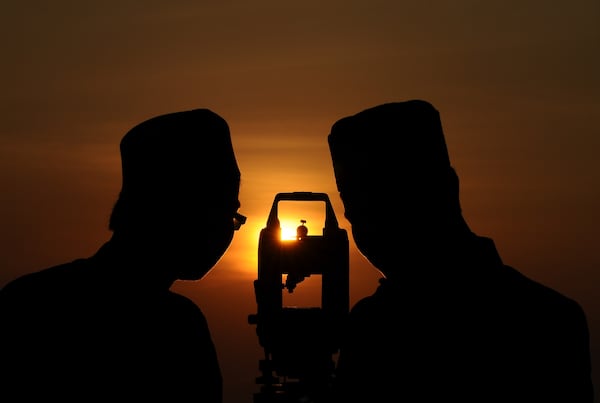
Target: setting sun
x,y
308,214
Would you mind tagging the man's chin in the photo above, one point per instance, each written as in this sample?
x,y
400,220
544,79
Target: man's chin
x,y
188,279
191,275
191,268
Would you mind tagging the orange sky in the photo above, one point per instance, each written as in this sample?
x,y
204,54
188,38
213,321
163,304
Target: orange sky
x,y
515,82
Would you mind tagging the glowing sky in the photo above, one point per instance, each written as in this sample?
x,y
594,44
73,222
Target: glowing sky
x,y
516,84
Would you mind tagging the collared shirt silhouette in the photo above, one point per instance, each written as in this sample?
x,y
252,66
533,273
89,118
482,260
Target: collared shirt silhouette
x,y
107,327
450,320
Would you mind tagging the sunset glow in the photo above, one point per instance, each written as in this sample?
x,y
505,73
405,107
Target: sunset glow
x,y
515,82
293,214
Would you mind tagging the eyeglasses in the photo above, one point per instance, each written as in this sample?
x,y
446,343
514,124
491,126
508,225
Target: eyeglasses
x,y
238,220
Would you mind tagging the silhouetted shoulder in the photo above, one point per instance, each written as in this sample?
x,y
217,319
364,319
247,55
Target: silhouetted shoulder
x,y
540,297
35,284
500,288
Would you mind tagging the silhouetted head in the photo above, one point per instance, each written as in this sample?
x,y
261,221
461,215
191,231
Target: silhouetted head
x,y
180,190
395,179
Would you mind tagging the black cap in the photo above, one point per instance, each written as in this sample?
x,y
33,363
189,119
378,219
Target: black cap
x,y
190,149
388,140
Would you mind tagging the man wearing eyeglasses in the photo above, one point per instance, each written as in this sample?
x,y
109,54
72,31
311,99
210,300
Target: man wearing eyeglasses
x,y
108,326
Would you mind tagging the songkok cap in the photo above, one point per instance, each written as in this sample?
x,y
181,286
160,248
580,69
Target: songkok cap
x,y
189,149
382,143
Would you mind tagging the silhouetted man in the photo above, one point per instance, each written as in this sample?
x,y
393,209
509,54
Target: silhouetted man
x,y
449,322
107,327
